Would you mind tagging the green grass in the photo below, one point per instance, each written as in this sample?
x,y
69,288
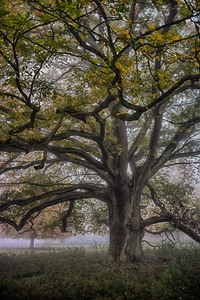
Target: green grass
x,y
79,273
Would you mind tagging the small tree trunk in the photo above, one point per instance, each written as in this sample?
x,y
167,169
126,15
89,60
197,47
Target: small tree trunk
x,y
32,239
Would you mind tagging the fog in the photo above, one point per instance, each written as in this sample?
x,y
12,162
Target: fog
x,y
89,240
78,240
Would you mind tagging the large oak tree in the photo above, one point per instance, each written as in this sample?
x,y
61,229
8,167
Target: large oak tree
x,y
108,89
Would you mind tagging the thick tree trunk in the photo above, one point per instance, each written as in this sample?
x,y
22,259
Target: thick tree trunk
x,y
118,235
134,251
125,230
124,204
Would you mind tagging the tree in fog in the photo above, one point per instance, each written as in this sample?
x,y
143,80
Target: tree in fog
x,y
106,93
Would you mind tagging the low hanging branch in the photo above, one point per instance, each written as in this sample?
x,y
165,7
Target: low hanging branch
x,y
168,216
38,208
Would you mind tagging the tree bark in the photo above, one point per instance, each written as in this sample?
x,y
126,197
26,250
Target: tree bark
x,y
126,232
118,232
134,251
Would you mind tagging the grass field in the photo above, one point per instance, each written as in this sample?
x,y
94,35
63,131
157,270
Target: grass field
x,y
83,273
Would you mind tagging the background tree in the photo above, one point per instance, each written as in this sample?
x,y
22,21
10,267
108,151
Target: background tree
x,y
108,89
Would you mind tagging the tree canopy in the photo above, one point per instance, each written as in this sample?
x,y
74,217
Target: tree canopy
x,y
105,94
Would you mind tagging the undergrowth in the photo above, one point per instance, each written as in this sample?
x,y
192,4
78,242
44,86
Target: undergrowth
x,y
169,272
